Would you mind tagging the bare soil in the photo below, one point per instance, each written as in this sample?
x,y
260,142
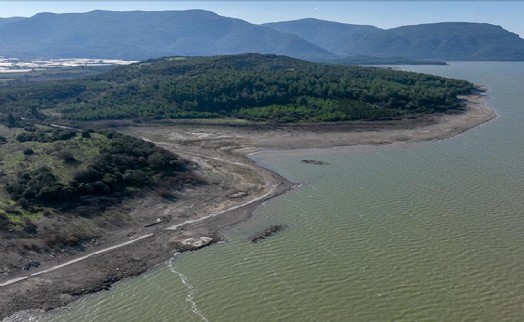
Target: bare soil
x,y
155,228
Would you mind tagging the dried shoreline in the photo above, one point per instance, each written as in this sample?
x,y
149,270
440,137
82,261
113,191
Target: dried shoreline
x,y
223,154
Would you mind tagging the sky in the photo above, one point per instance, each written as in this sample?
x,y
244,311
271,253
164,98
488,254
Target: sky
x,y
383,14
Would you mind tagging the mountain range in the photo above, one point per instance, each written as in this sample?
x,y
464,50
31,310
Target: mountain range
x,y
444,41
139,35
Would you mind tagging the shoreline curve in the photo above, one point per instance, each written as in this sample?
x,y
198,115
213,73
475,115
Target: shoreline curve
x,y
234,146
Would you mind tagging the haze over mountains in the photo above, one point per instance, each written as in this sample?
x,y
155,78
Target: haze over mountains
x,y
141,35
446,41
138,35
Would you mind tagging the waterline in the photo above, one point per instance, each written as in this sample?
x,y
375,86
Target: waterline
x,y
426,231
190,288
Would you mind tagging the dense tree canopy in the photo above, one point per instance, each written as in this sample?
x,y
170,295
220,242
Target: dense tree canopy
x,y
252,86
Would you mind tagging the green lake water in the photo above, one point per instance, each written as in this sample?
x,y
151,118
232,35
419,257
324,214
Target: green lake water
x,y
429,231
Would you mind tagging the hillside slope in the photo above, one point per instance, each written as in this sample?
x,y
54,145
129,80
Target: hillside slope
x,y
443,41
339,38
5,21
137,35
460,41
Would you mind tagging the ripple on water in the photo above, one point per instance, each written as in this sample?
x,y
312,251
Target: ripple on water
x,y
410,232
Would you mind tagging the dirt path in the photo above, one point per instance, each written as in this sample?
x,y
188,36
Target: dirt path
x,y
73,261
237,186
198,214
129,242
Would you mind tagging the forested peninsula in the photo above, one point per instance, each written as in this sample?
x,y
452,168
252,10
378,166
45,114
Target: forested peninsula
x,y
76,196
255,87
47,170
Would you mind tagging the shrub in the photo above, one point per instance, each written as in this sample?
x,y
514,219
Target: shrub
x,y
166,193
24,203
4,222
67,156
30,227
72,240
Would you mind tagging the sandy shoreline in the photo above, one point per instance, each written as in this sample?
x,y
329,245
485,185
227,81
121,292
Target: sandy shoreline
x,y
223,156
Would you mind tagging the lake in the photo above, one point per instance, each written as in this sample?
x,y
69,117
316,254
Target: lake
x,y
429,231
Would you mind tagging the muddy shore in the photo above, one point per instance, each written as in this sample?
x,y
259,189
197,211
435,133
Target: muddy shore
x,y
238,186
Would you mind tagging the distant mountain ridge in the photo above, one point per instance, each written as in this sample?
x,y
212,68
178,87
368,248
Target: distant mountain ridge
x,y
443,41
139,35
5,21
461,41
339,38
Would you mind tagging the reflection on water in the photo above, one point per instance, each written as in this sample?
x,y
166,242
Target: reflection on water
x,y
407,232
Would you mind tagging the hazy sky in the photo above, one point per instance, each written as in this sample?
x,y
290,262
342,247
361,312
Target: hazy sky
x,y
384,14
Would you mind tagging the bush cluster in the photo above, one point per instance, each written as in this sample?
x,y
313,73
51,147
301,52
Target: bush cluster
x,y
45,135
126,165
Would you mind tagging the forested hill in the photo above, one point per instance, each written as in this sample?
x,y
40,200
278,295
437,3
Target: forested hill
x,y
250,86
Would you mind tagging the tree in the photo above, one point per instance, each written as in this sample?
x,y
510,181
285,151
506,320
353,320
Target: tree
x,y
11,121
67,156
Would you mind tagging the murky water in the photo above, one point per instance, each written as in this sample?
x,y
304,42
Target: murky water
x,y
407,232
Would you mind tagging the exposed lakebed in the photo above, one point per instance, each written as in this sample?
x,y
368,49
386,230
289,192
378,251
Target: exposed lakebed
x,y
414,231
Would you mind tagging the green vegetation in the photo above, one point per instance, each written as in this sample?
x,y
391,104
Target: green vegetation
x,y
250,86
56,171
46,172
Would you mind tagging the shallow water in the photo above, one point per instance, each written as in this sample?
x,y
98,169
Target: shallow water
x,y
428,231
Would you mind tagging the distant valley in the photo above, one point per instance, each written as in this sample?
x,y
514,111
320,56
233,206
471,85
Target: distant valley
x,y
137,35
